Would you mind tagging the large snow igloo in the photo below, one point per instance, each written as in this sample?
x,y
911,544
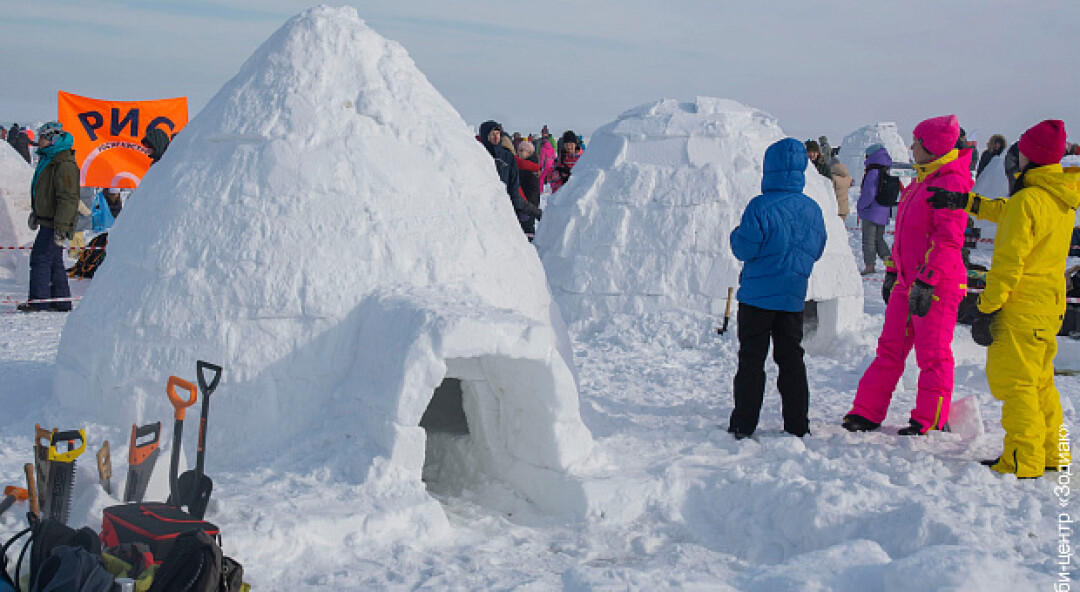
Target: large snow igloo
x,y
15,179
330,232
643,224
853,148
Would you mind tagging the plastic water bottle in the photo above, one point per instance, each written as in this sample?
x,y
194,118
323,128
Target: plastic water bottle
x,y
124,585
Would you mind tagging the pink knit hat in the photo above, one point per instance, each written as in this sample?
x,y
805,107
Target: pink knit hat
x,y
1044,143
938,134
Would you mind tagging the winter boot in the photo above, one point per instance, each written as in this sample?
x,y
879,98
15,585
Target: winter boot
x,y
914,429
993,461
739,435
858,423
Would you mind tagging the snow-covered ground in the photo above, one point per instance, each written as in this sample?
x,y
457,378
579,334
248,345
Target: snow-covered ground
x,y
316,468
834,511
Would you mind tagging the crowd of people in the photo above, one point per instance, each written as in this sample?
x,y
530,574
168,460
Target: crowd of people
x,y
526,165
1019,312
781,235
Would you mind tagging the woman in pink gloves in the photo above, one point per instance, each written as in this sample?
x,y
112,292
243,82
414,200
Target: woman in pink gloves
x,y
924,284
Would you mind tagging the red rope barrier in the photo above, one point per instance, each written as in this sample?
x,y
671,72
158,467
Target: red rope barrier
x,y
68,248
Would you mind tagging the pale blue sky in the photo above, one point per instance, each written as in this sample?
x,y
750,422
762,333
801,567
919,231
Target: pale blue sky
x,y
820,66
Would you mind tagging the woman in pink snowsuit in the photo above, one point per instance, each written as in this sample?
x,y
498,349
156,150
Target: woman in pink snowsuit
x,y
924,285
547,159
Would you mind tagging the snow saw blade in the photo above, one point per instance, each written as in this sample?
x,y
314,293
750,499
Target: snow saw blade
x,y
142,454
62,472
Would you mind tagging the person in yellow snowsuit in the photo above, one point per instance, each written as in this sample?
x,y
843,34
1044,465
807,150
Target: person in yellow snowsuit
x,y
1023,305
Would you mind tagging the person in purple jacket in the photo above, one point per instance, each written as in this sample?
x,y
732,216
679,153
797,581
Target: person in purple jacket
x,y
874,216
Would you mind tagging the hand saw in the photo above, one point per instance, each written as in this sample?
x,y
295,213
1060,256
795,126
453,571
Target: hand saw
x,y
62,472
104,467
142,454
42,439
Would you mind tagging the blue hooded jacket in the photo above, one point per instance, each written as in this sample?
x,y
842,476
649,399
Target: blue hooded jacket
x,y
781,235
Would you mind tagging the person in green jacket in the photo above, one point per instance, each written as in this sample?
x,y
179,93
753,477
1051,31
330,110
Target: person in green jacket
x,y
54,200
1021,309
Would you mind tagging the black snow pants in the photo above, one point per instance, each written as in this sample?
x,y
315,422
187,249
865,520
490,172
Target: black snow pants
x,y
756,326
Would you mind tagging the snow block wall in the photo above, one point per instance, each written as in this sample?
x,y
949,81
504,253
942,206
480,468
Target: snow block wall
x,y
329,231
853,149
15,179
644,222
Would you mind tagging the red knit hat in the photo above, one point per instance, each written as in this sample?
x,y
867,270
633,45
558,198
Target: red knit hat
x,y
1044,143
938,134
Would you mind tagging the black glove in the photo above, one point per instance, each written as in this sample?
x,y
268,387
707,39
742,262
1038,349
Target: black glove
x,y
31,222
920,298
886,289
943,199
980,327
533,210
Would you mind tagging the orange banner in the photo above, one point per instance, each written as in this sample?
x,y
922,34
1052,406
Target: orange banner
x,y
108,135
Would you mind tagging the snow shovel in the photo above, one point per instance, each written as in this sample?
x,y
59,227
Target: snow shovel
x,y
179,409
727,313
194,486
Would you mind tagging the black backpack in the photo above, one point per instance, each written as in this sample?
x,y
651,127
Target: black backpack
x,y
72,569
888,188
91,257
195,564
46,535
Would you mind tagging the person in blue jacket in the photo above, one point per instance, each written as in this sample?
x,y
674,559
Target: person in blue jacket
x,y
780,237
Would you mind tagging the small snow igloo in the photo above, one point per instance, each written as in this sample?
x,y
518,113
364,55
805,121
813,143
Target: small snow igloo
x,y
643,224
853,148
15,179
328,230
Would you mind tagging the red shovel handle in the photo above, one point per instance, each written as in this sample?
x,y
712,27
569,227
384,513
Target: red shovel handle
x,y
179,405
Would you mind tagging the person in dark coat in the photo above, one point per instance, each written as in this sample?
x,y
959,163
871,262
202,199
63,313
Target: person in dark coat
x,y
157,142
529,177
22,145
529,172
780,237
54,199
995,146
569,152
813,152
506,167
12,133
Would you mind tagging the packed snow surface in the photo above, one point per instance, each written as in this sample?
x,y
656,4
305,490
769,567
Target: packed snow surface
x,y
698,510
674,502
